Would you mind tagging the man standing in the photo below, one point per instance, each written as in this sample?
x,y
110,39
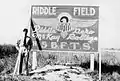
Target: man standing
x,y
24,46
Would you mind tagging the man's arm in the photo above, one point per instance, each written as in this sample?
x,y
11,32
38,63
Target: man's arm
x,y
18,44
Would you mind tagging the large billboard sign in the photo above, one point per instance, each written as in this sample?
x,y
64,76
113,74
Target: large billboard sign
x,y
66,28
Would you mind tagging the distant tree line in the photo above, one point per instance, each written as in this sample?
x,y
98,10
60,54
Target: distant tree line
x,y
7,50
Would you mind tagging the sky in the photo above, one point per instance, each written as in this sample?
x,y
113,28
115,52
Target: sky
x,y
15,15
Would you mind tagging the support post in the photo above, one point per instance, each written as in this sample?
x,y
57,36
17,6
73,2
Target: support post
x,y
92,61
34,60
99,66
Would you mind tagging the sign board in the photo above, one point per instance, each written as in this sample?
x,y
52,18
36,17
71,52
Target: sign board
x,y
66,28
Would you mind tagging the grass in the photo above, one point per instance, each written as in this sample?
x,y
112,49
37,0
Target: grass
x,y
8,55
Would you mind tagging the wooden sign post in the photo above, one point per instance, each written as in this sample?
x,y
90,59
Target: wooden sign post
x,y
99,66
92,61
34,60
